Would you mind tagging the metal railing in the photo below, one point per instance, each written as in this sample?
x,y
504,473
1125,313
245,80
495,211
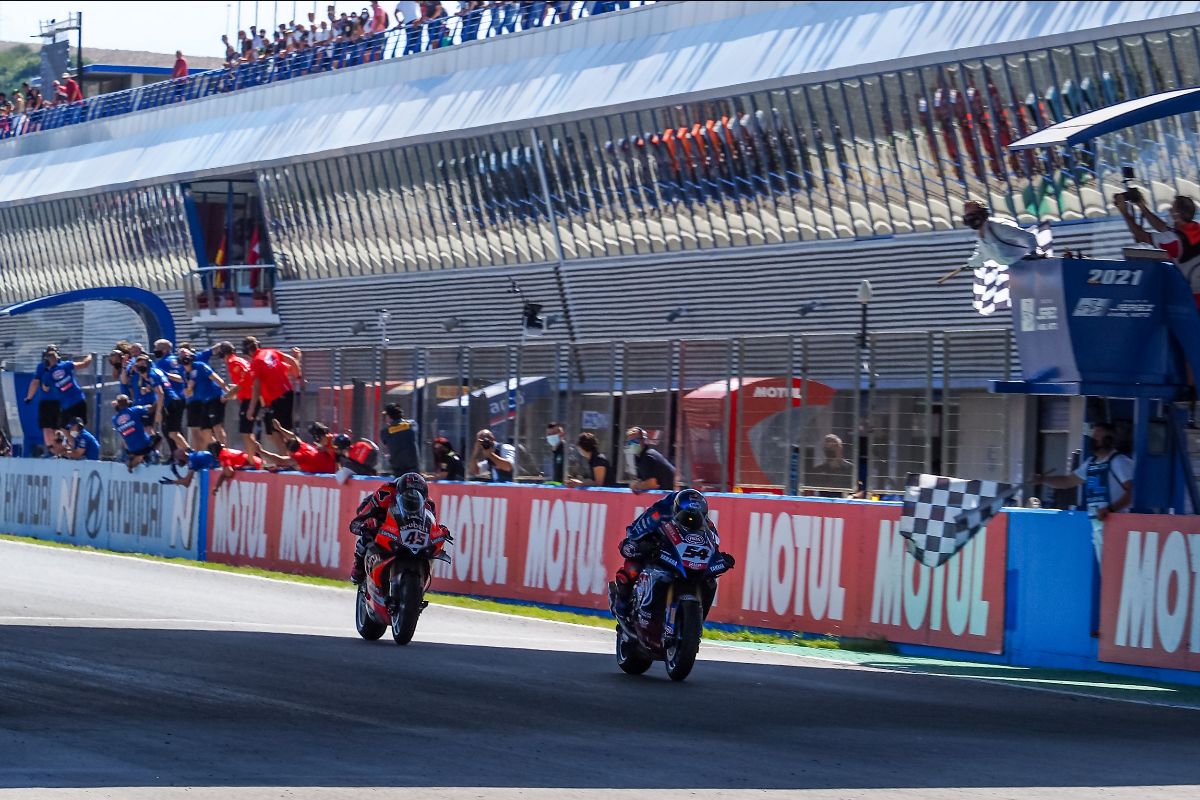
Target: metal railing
x,y
404,39
236,287
720,409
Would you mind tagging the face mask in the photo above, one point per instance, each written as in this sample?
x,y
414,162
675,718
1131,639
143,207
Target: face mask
x,y
633,448
160,353
553,440
143,369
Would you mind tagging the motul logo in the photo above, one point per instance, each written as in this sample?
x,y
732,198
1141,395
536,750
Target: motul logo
x,y
953,591
1159,593
775,391
566,546
478,526
795,562
239,517
309,529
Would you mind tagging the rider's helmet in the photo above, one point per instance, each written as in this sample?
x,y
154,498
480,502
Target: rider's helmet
x,y
411,493
342,441
690,510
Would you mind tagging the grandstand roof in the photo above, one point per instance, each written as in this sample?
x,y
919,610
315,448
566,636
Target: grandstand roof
x,y
624,61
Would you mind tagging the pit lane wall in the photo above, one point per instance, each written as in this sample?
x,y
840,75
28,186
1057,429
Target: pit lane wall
x,y
1024,592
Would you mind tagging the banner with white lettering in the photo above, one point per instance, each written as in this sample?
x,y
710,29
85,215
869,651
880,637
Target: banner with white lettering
x,y
1150,591
99,503
803,565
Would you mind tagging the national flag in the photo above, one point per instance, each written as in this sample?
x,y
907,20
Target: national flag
x,y
941,514
219,277
253,255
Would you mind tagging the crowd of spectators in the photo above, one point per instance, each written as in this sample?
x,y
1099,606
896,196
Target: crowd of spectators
x,y
317,43
17,106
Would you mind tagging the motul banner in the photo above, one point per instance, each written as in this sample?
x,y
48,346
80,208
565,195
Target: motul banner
x,y
1150,591
803,565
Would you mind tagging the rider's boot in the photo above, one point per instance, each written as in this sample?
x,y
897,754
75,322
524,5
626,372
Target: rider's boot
x,y
357,573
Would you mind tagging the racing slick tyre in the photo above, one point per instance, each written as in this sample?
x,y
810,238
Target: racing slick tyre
x,y
404,622
630,657
368,628
681,649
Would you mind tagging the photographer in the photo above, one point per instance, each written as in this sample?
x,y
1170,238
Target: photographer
x,y
1180,240
493,461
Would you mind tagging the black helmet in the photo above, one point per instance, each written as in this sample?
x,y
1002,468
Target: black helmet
x,y
341,441
411,493
690,510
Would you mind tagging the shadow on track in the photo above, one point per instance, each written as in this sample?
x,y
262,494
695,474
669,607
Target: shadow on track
x,y
122,707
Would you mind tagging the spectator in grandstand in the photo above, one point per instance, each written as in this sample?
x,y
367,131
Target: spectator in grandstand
x,y
833,475
599,470
271,372
399,437
231,461
131,423
1180,239
231,55
74,93
318,459
434,19
1000,240
491,460
447,464
355,456
180,70
654,472
204,391
470,14
504,17
1106,477
81,444
556,439
379,18
60,94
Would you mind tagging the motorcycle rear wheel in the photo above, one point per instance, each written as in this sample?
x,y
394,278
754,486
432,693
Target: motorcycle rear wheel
x,y
630,657
681,652
368,628
404,623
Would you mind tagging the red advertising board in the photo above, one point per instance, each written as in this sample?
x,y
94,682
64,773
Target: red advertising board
x,y
1150,591
803,565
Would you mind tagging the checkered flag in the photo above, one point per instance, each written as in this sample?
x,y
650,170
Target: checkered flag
x,y
942,514
991,289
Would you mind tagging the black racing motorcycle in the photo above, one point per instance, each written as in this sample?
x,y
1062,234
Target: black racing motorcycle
x,y
671,599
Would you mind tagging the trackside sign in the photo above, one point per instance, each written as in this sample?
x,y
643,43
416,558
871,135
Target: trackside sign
x,y
1150,591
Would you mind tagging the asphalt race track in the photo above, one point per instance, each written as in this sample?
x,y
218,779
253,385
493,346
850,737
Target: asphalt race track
x,y
122,678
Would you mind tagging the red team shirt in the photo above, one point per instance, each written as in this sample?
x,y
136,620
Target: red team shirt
x,y
271,371
239,373
311,459
236,459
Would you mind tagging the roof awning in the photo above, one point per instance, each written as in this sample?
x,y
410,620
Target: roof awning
x,y
1114,118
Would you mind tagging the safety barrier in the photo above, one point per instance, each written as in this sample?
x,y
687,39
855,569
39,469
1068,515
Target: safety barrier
x,y
1021,593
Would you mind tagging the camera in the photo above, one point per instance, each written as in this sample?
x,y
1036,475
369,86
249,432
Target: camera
x,y
1131,194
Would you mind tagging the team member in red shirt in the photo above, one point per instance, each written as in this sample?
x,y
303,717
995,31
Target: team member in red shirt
x,y
271,371
231,461
242,386
316,458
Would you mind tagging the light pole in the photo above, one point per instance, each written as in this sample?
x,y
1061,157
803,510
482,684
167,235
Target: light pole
x,y
862,458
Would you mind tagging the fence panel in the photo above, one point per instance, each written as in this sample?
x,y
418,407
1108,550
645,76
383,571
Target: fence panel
x,y
832,397
644,394
975,438
901,413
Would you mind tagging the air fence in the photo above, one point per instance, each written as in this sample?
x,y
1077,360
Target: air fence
x,y
818,566
719,408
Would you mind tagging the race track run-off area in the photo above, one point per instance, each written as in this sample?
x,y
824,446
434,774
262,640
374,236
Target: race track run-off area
x,y
122,677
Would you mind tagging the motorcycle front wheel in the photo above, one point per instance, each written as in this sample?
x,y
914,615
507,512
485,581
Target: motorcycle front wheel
x,y
404,622
683,647
630,657
368,628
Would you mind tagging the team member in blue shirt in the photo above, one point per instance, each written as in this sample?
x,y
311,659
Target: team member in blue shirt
x,y
130,422
81,444
174,403
62,397
191,460
204,390
149,389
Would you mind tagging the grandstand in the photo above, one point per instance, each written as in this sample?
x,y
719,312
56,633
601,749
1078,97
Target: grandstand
x,y
734,159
